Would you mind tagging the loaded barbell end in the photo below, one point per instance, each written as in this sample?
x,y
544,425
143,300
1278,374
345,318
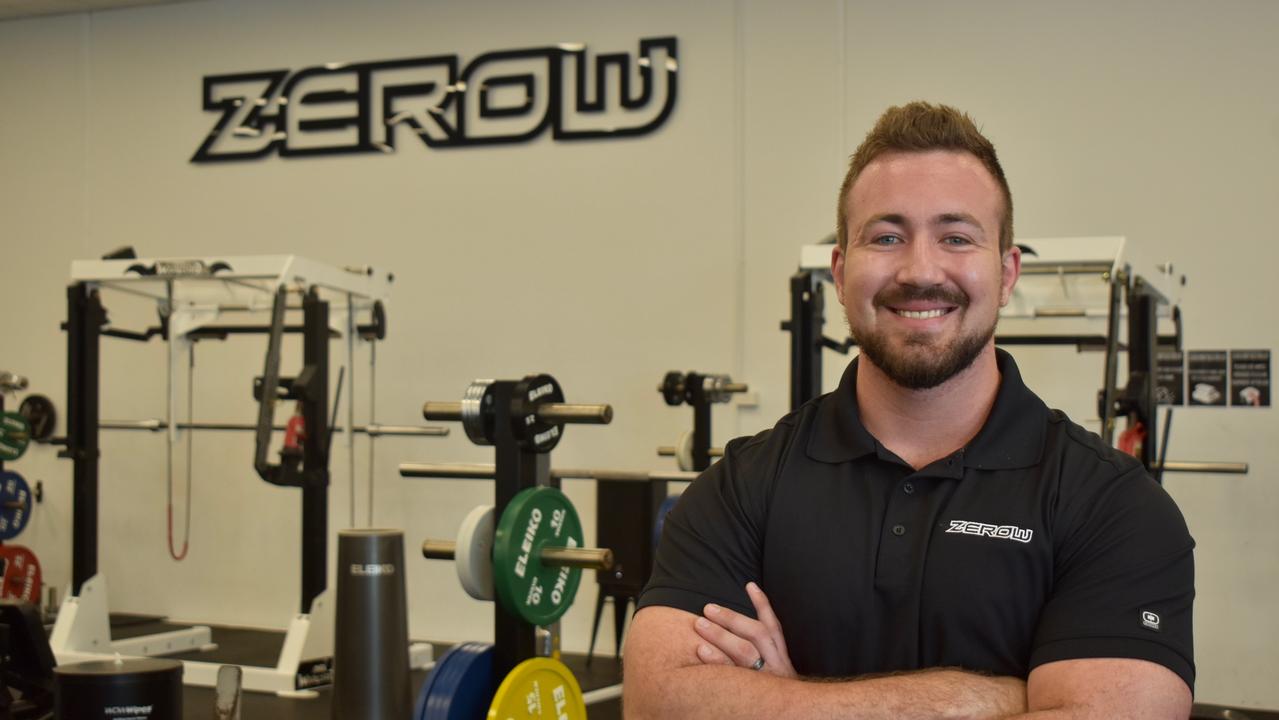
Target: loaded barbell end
x,y
557,556
438,411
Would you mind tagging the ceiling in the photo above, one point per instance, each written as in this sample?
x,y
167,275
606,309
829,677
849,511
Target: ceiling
x,y
14,9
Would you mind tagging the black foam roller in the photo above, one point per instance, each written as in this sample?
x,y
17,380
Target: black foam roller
x,y
371,638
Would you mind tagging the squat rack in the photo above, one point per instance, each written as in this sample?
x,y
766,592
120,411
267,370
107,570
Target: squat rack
x,y
192,294
1062,293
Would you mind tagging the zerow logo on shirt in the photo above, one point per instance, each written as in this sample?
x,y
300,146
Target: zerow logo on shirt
x,y
1003,532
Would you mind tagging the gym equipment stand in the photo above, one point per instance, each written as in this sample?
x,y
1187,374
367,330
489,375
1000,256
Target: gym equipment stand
x,y
523,421
83,630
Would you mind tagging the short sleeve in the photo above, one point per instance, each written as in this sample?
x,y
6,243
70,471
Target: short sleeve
x,y
1123,579
711,541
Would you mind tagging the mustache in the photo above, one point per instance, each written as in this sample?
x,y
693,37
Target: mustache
x,y
902,294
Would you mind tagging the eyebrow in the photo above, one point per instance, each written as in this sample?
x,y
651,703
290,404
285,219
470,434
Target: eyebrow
x,y
956,217
949,218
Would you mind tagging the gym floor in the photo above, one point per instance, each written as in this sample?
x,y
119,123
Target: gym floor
x,y
261,648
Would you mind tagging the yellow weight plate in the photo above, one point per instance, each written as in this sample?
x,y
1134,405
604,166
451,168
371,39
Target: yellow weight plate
x,y
538,688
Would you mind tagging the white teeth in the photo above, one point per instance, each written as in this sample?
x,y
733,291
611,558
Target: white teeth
x,y
921,314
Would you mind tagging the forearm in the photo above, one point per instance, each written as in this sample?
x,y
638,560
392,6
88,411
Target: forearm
x,y
709,691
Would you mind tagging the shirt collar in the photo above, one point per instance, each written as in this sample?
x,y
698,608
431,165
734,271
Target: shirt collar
x,y
1012,436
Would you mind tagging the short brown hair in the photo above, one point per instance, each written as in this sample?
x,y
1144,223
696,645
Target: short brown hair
x,y
921,127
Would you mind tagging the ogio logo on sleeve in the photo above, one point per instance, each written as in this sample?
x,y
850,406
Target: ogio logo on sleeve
x,y
1002,532
1150,620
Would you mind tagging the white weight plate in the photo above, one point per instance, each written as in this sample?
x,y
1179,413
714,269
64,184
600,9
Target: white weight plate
x,y
684,451
474,555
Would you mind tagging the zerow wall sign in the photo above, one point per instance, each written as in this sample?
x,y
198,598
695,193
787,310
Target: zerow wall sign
x,y
506,96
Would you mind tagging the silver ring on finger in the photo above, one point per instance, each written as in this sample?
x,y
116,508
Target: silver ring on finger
x,y
759,664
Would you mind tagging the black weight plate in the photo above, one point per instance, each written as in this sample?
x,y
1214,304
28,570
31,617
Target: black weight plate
x,y
672,390
40,413
528,394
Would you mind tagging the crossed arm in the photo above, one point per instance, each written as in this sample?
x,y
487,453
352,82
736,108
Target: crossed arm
x,y
678,665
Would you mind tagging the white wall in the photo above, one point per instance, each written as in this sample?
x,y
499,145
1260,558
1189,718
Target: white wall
x,y
607,263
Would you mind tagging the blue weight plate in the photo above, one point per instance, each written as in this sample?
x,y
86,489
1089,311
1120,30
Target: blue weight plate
x,y
441,668
464,687
662,511
419,705
15,505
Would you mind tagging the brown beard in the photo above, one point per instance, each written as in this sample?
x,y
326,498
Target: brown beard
x,y
927,366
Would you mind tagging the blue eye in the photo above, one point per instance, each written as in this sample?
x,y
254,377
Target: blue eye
x,y
956,240
885,240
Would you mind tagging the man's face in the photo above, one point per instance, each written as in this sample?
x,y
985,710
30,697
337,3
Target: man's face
x,y
922,277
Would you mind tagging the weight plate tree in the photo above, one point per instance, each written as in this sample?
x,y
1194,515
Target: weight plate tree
x,y
523,420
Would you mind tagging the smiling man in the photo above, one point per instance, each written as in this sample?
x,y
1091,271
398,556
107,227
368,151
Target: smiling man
x,y
929,540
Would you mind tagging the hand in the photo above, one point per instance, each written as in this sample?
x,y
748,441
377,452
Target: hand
x,y
735,639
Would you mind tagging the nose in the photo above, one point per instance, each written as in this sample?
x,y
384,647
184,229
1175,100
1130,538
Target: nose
x,y
922,265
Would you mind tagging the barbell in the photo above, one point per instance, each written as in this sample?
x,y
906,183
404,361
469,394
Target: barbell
x,y
372,430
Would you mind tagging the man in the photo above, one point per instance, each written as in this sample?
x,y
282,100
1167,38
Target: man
x,y
933,540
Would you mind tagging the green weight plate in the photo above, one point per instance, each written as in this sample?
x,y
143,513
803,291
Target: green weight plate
x,y
535,518
15,435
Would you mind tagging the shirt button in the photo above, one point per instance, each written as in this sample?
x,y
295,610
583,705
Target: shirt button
x,y
899,530
909,488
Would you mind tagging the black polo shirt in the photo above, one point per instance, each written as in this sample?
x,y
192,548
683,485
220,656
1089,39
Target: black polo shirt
x,y
1034,543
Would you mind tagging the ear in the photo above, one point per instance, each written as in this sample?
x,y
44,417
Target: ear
x,y
837,271
1011,271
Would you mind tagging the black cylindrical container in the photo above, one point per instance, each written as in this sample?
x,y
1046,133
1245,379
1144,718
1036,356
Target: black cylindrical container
x,y
126,688
371,639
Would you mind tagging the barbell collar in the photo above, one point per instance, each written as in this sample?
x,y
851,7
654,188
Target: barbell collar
x,y
584,558
1225,468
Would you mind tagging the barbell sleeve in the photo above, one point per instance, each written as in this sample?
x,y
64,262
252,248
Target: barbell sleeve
x,y
669,451
373,430
1225,468
376,430
442,411
584,558
438,411
576,413
466,471
453,471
